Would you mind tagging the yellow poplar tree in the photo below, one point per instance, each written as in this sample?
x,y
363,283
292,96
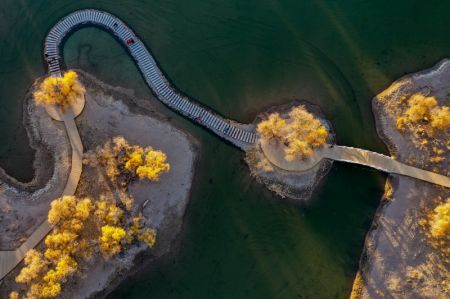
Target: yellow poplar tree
x,y
419,107
440,220
271,127
440,119
109,213
155,164
131,161
136,231
425,112
110,240
46,272
300,132
295,147
34,265
14,295
134,159
44,289
80,226
148,236
61,91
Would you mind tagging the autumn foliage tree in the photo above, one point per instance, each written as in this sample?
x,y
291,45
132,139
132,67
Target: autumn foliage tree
x,y
425,114
437,226
80,226
137,231
439,220
148,235
300,132
84,228
128,162
110,240
14,295
35,264
61,91
45,273
271,128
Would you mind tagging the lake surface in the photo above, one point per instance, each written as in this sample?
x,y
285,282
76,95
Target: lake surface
x,y
240,57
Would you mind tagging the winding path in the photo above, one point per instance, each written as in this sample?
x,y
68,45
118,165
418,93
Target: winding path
x,y
242,136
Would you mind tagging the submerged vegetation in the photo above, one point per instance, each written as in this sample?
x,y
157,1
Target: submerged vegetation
x,y
85,228
61,91
300,132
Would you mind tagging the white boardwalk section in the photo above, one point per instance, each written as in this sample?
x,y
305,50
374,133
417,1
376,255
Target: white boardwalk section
x,y
240,135
384,163
275,154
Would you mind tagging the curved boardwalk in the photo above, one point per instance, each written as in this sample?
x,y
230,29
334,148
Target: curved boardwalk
x,y
240,135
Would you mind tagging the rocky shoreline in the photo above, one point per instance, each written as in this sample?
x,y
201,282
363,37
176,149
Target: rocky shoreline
x,y
398,261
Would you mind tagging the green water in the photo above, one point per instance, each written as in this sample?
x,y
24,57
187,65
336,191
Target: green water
x,y
240,57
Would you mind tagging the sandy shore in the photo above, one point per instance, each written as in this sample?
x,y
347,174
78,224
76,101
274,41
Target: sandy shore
x,y
23,207
110,112
398,261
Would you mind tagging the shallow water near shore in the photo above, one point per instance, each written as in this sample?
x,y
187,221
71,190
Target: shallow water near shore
x,y
238,58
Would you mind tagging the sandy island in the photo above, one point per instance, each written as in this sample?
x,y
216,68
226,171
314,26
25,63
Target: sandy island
x,y
109,111
398,261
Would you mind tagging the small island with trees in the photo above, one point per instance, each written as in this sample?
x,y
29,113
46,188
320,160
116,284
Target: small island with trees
x,y
113,176
290,134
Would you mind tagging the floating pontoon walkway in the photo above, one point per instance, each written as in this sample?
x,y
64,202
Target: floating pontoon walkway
x,y
238,134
